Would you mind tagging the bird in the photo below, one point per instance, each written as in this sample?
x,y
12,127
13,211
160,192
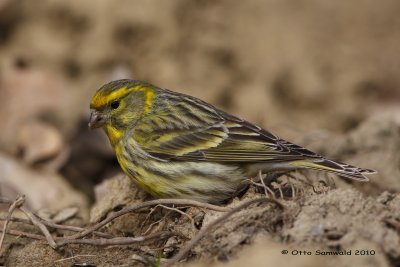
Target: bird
x,y
173,145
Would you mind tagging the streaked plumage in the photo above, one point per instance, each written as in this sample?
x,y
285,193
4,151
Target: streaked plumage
x,y
175,145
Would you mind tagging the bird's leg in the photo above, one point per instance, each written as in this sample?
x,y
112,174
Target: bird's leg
x,y
289,178
279,187
260,177
272,176
266,188
291,187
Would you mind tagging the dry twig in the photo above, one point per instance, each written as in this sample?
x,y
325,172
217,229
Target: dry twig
x,y
74,257
17,203
118,240
150,227
56,242
36,221
211,225
180,212
24,234
142,205
61,241
56,226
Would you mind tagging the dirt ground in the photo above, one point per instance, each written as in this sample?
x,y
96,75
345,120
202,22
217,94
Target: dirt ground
x,y
322,74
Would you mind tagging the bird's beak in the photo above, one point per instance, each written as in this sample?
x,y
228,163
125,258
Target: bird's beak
x,y
96,120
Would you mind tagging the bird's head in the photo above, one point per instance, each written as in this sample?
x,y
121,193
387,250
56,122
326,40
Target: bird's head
x,y
118,105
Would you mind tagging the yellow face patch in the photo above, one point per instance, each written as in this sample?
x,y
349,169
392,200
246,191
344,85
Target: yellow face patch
x,y
102,97
113,134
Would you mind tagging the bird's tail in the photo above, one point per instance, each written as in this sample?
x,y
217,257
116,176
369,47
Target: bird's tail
x,y
339,168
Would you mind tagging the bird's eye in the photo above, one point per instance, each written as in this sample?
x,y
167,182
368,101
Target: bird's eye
x,y
114,104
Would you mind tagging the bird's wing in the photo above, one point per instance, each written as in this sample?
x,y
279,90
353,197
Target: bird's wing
x,y
212,135
249,143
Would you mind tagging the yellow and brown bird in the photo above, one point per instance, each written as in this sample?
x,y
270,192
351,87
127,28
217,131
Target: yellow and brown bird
x,y
178,146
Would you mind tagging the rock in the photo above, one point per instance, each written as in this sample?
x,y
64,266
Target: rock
x,y
25,95
65,214
374,144
347,221
41,143
112,193
42,189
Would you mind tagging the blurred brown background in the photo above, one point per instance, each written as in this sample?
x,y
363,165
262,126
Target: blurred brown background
x,y
296,67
